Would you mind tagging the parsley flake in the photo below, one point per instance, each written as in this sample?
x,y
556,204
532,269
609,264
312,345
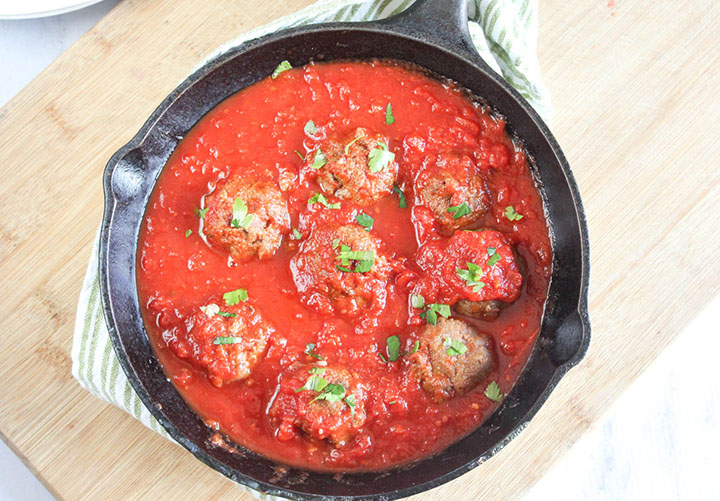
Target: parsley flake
x,y
393,348
364,260
415,347
310,350
454,347
234,297
472,276
300,155
433,310
511,215
365,221
417,301
494,256
335,243
319,371
347,146
460,210
188,233
402,201
384,360
227,314
283,66
314,383
350,402
310,128
241,218
296,235
319,198
201,212
379,158
227,340
493,392
319,159
331,392
389,118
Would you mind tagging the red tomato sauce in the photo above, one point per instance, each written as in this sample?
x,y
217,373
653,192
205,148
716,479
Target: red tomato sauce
x,y
253,135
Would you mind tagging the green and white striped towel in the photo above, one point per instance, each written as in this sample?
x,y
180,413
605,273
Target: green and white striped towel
x,y
505,35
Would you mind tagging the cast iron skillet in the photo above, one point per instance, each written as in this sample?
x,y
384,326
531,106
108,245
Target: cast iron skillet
x,y
432,34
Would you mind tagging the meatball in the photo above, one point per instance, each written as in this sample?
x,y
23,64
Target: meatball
x,y
486,310
265,219
347,172
227,342
330,284
454,190
326,403
443,367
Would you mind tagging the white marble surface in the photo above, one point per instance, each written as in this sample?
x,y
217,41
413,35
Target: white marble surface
x,y
659,440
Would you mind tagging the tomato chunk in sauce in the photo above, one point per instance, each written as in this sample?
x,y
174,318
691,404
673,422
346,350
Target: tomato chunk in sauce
x,y
345,267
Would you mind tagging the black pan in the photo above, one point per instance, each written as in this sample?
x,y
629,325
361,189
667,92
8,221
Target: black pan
x,y
434,35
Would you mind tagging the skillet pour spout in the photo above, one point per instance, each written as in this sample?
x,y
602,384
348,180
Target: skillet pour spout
x,y
432,34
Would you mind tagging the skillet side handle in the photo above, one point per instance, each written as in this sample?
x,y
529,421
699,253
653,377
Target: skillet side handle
x,y
441,22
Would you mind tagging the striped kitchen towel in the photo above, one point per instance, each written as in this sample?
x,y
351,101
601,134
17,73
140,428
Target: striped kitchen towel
x,y
505,35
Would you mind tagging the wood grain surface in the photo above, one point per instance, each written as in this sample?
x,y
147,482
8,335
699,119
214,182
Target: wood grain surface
x,y
634,90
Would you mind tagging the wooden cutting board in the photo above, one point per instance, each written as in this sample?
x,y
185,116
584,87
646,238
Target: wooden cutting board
x,y
634,89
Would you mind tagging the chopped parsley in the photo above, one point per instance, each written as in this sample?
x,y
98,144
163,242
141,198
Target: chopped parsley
x,y
417,301
317,370
365,221
310,350
493,392
201,212
314,383
389,118
347,146
331,392
364,260
283,66
319,198
319,159
472,276
296,235
415,347
402,201
234,297
433,310
460,210
227,314
310,128
188,233
382,358
300,155
379,158
241,218
335,243
393,348
227,340
511,214
454,347
350,402
494,256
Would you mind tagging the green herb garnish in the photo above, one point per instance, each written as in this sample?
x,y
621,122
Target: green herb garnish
x,y
472,276
283,66
234,297
511,214
310,350
364,260
365,221
335,243
227,340
300,155
296,234
454,347
201,212
494,256
393,348
331,392
314,383
241,218
493,392
350,402
310,128
415,347
347,146
379,158
402,201
389,118
417,301
433,310
227,314
188,233
319,159
319,371
460,210
319,198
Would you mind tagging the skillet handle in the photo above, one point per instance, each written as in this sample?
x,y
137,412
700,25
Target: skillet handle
x,y
440,22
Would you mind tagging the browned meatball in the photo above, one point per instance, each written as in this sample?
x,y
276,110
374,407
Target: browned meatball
x,y
329,285
448,182
327,403
261,232
441,370
347,173
226,341
486,310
